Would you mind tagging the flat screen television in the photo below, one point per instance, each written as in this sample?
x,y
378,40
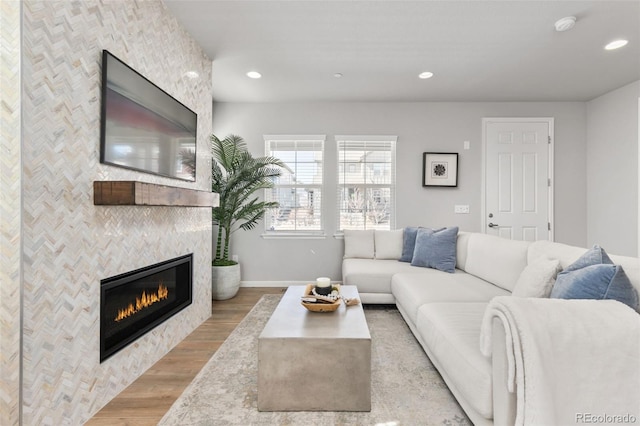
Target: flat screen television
x,y
143,128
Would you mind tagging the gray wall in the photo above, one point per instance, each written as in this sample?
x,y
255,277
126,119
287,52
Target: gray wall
x,y
420,127
612,170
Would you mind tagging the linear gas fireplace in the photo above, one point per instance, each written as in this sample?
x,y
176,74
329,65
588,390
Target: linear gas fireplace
x,y
133,303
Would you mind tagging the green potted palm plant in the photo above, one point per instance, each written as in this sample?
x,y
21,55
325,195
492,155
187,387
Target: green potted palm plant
x,y
236,176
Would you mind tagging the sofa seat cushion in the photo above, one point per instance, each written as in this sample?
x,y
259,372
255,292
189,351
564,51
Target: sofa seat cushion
x,y
413,290
451,331
373,276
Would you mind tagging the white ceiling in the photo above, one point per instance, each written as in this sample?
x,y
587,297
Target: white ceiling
x,y
478,50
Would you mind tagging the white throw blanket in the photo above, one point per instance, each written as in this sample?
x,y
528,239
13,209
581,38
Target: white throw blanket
x,y
570,361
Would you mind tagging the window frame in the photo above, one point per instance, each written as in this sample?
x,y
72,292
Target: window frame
x,y
298,234
339,140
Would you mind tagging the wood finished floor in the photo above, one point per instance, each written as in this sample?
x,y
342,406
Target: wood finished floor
x,y
147,399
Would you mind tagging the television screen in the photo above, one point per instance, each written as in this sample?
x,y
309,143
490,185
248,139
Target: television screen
x,y
143,128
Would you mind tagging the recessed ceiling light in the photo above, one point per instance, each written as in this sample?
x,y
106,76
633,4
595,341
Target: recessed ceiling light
x,y
191,74
338,75
426,74
616,44
254,74
565,24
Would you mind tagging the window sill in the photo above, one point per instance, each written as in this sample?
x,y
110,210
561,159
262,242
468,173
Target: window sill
x,y
293,236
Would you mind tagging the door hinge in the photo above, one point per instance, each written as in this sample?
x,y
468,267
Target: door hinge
x,y
548,226
549,182
549,140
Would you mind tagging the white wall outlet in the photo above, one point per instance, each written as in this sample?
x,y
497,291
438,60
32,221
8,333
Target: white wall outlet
x,y
467,145
234,257
461,208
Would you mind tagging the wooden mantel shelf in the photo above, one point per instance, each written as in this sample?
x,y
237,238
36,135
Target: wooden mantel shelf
x,y
133,193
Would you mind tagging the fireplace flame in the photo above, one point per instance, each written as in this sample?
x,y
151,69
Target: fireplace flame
x,y
144,301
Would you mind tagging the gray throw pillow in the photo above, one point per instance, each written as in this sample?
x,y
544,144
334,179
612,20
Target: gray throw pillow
x,y
596,282
594,276
436,249
594,256
408,243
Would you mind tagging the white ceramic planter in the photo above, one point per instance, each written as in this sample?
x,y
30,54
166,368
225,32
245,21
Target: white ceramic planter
x,y
225,281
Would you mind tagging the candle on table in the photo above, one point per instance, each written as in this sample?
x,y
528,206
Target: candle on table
x,y
323,282
323,286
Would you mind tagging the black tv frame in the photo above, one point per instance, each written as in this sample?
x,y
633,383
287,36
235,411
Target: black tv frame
x,y
143,84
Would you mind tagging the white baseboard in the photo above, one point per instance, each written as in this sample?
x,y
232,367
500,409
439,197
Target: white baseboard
x,y
276,283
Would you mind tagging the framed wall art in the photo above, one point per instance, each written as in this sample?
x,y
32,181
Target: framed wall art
x,y
439,169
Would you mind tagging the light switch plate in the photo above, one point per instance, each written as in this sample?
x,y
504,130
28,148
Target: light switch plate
x,y
461,208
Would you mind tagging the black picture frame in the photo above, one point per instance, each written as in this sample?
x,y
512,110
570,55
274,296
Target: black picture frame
x,y
440,169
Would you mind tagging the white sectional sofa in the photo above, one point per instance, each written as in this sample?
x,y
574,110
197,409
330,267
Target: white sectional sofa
x,y
445,310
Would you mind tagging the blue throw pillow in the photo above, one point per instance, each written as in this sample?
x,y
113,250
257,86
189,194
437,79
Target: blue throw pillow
x,y
594,256
596,282
594,276
408,243
436,249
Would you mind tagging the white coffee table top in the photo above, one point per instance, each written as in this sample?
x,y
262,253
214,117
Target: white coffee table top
x,y
292,320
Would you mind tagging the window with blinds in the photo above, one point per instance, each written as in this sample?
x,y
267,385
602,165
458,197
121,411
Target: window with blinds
x,y
299,188
366,182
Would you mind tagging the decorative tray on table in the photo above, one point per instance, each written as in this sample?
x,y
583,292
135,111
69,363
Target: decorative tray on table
x,y
316,303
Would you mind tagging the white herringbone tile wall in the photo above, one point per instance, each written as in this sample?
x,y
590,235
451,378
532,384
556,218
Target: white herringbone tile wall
x,y
9,212
69,244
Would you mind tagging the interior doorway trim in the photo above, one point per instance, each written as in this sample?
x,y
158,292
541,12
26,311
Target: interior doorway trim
x,y
483,194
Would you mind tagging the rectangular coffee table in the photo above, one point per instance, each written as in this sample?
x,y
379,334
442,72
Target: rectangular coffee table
x,y
312,361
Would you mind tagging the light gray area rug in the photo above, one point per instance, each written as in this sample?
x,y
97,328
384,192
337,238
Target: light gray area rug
x,y
406,387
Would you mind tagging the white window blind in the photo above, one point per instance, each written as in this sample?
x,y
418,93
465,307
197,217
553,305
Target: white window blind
x,y
299,188
366,182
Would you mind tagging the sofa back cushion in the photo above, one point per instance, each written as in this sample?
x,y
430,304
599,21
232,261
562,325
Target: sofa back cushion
x,y
497,260
567,254
359,244
462,247
388,244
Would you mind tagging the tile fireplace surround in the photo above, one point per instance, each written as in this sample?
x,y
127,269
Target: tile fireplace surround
x,y
62,244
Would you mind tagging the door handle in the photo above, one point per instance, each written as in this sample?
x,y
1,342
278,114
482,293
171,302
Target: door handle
x,y
493,225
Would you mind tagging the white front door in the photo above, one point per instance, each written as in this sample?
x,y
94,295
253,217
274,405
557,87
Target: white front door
x,y
517,178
